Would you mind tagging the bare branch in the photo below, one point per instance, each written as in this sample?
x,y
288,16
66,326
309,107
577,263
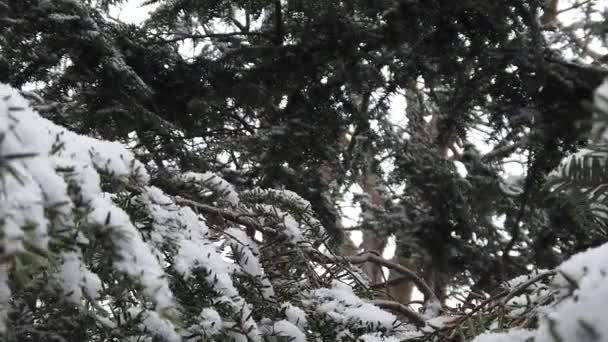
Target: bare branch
x,y
432,302
505,151
389,283
399,308
575,6
582,45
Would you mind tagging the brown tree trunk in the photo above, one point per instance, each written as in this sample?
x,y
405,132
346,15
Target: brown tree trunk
x,y
402,291
373,241
550,12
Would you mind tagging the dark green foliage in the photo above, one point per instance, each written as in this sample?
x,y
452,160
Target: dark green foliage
x,y
268,100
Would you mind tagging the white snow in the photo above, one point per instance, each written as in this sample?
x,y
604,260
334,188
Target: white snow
x,y
210,323
248,258
600,99
74,277
158,326
288,329
52,169
215,183
514,335
135,256
341,305
285,195
192,256
295,315
44,158
377,337
291,228
581,315
580,289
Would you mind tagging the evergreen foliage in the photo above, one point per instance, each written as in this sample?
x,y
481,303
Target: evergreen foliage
x,y
239,129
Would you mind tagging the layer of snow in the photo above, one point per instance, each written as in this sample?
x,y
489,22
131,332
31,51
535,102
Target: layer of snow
x,y
295,315
514,335
151,239
284,195
377,337
580,291
580,316
285,328
215,183
248,258
74,277
341,305
57,170
158,326
210,323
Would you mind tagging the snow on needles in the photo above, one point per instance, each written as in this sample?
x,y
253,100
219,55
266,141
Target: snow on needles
x,y
40,162
295,315
288,329
52,178
248,252
46,168
215,183
341,305
580,289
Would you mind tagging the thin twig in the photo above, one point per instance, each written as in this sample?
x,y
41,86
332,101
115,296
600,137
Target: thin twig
x,y
575,6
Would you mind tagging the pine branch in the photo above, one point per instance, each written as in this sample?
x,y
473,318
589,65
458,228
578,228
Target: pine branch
x,y
505,151
399,308
224,213
179,38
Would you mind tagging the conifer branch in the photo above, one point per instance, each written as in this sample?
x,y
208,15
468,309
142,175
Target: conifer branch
x,y
399,308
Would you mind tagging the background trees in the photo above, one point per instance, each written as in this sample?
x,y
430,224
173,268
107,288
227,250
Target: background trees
x,y
302,96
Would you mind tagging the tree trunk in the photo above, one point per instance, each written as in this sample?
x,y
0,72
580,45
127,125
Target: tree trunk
x,y
373,241
550,12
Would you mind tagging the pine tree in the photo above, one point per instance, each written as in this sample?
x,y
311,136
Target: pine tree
x,y
262,116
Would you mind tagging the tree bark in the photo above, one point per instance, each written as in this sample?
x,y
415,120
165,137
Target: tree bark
x,y
550,12
373,241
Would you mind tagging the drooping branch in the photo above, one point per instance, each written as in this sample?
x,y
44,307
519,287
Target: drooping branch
x,y
505,151
432,302
225,213
390,283
417,319
399,308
